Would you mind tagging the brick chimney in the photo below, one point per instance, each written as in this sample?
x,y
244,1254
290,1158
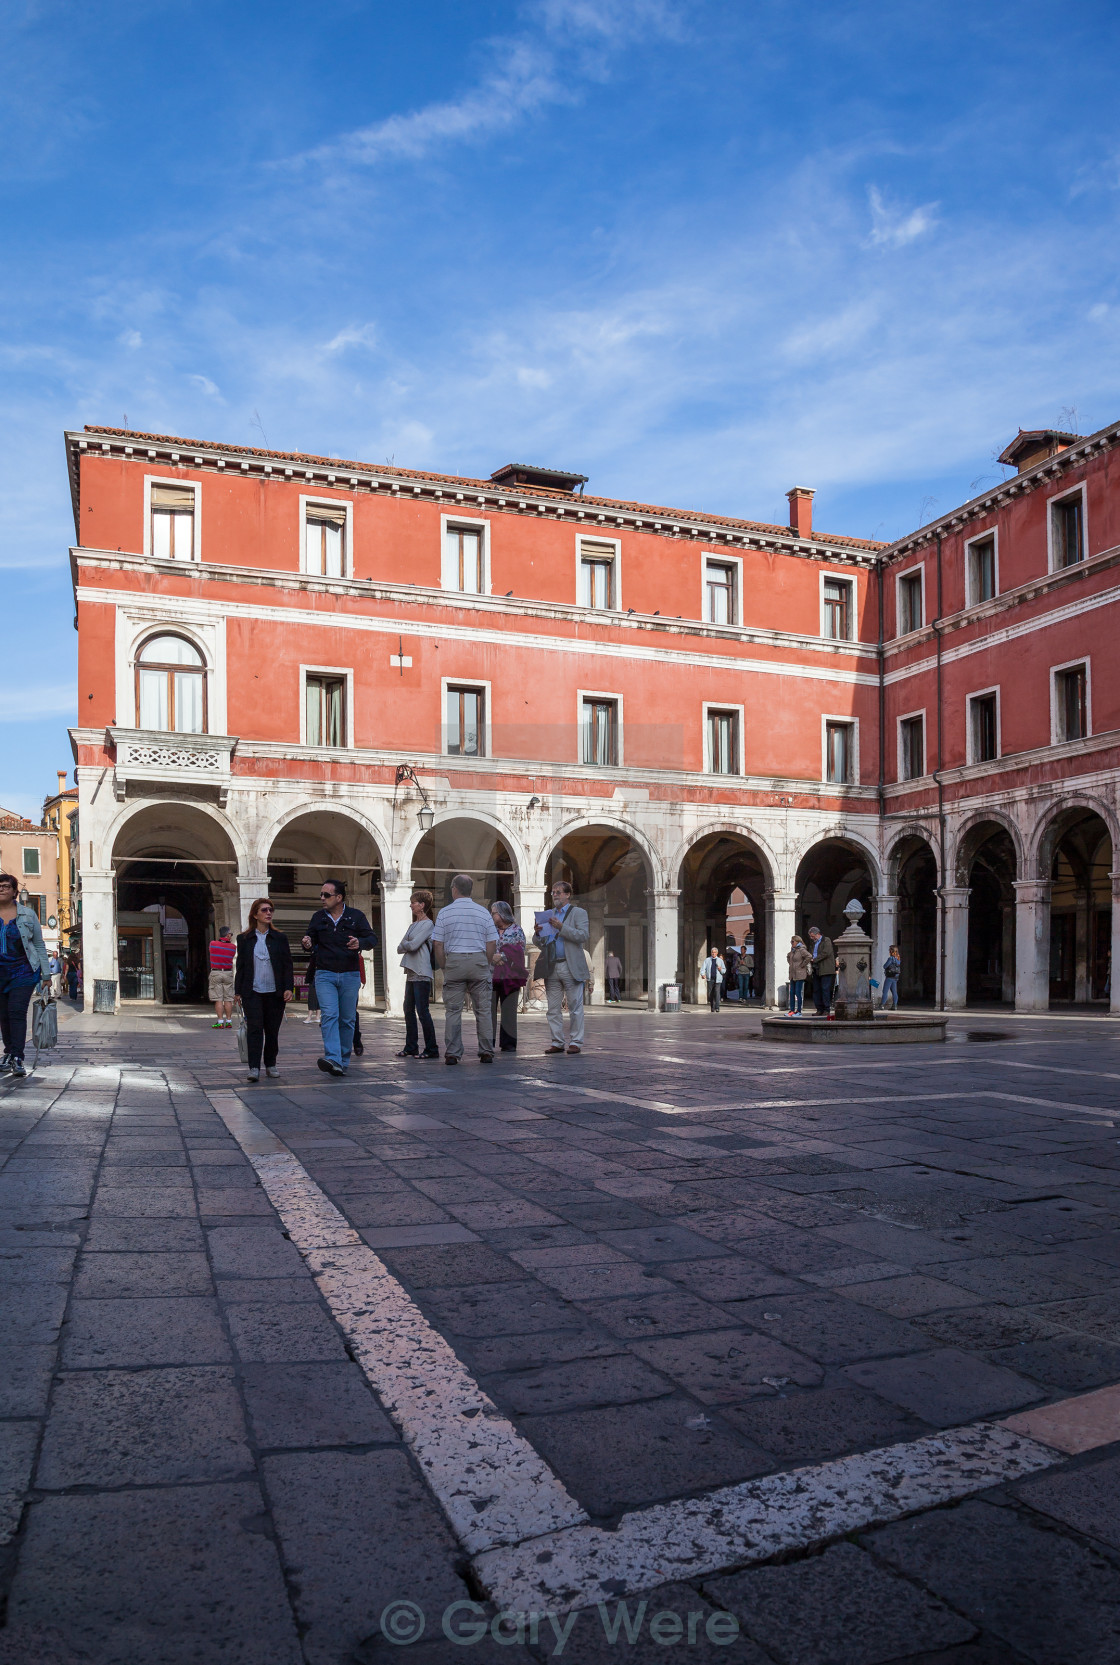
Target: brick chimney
x,y
61,781
801,511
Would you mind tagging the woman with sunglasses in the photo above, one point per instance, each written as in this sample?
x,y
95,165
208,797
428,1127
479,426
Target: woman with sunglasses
x,y
263,983
23,964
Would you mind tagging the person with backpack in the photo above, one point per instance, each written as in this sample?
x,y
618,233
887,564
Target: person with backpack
x,y
509,973
23,966
892,966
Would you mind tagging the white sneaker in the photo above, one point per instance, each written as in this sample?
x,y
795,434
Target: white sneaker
x,y
270,1071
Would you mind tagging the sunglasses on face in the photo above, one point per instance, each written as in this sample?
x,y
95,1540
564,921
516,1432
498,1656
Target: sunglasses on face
x,y
264,910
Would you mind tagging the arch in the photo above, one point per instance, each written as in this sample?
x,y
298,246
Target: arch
x,y
175,865
615,823
472,844
988,862
844,835
317,840
720,861
830,872
333,806
513,844
1052,827
973,833
197,663
129,812
612,870
901,846
913,877
765,850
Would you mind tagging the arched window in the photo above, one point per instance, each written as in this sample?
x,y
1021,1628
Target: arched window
x,y
171,686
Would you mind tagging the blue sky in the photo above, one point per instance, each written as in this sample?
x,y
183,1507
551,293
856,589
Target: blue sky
x,y
698,251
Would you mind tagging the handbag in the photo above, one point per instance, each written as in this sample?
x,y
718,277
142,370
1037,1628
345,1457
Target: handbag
x,y
242,1036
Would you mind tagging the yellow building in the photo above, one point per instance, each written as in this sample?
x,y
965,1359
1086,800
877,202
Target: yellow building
x,y
60,814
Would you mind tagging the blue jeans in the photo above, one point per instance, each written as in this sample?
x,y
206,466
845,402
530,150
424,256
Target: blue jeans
x,y
338,1001
890,986
796,994
744,985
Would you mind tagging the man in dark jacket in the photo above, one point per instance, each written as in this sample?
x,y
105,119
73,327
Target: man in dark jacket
x,y
824,970
336,936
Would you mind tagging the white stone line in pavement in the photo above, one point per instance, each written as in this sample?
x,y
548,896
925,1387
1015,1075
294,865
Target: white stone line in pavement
x,y
491,1484
739,1525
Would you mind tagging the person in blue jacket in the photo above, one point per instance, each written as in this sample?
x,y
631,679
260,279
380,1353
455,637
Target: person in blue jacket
x,y
24,963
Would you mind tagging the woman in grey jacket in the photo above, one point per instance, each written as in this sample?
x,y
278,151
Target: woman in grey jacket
x,y
416,958
23,964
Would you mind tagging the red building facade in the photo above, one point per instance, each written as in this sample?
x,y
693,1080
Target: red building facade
x,y
284,660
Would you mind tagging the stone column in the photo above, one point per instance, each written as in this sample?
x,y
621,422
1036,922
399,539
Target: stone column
x,y
1114,961
953,951
249,886
99,932
596,951
781,924
1032,945
884,931
664,941
530,900
396,917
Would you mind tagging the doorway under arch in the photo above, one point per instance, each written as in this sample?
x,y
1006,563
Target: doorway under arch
x,y
916,886
828,876
610,876
463,844
990,869
715,868
1077,851
176,882
323,844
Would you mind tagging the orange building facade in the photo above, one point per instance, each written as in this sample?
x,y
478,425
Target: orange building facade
x,y
291,666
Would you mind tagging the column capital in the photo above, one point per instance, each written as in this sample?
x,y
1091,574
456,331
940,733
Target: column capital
x,y
776,897
664,897
1032,890
954,896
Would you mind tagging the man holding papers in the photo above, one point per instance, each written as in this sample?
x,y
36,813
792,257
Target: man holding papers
x,y
562,934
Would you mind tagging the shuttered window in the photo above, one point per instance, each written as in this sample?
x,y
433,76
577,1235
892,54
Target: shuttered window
x,y
172,510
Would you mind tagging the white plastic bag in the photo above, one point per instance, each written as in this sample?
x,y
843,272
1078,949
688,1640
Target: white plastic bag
x,y
242,1036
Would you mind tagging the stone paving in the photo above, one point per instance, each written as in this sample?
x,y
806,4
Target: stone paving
x,y
682,1261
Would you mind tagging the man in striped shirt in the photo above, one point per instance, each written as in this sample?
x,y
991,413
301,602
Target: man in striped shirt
x,y
222,953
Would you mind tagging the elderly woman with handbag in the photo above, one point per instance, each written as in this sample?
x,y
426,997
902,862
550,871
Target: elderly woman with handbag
x,y
510,973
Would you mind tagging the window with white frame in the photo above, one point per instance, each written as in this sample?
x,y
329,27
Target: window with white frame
x,y
980,569
723,742
910,607
912,747
837,608
597,575
171,686
983,727
839,751
464,558
172,536
325,527
466,721
599,730
31,859
324,698
1067,530
720,592
1071,702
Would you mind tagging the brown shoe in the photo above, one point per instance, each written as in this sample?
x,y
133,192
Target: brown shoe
x,y
549,1049
573,1049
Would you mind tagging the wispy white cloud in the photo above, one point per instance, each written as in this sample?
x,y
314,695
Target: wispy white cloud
x,y
211,389
355,335
893,226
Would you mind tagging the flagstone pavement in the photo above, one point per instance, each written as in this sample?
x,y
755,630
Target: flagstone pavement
x,y
682,1261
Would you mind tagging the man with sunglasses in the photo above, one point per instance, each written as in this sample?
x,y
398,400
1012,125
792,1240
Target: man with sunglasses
x,y
337,935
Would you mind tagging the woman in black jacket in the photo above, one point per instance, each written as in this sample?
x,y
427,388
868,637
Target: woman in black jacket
x,y
263,981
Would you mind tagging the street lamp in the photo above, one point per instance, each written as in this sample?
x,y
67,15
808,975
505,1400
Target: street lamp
x,y
425,815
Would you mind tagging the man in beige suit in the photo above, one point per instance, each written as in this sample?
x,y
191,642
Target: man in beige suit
x,y
565,967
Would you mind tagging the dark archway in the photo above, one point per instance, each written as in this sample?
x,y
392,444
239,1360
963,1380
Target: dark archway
x,y
991,874
829,876
917,922
715,867
464,845
1078,851
176,880
324,844
610,876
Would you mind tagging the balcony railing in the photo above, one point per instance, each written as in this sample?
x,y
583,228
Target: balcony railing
x,y
159,758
